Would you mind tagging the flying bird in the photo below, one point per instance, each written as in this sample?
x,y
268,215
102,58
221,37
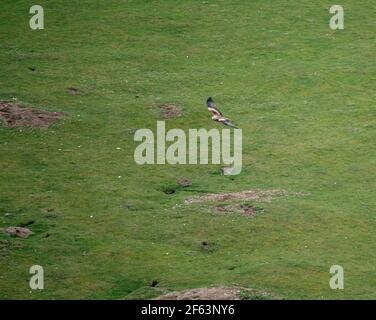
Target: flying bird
x,y
217,115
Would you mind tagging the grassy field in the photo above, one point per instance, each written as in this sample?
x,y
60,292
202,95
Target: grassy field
x,y
303,94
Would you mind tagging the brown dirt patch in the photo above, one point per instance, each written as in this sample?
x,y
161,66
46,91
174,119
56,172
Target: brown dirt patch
x,y
185,183
245,209
255,195
216,293
219,293
18,232
15,116
49,213
170,110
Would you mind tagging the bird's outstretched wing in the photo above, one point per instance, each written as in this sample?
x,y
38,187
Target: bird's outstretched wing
x,y
213,108
227,122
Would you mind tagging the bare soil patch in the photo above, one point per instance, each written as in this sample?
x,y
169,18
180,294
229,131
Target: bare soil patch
x,y
255,195
170,110
49,213
18,232
184,183
15,116
245,209
218,293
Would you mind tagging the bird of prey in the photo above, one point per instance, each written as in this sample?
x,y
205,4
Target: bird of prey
x,y
217,115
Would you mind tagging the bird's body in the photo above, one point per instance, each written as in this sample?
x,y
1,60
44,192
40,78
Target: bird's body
x,y
217,114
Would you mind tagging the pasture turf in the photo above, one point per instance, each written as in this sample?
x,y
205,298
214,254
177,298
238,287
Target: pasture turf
x,y
303,94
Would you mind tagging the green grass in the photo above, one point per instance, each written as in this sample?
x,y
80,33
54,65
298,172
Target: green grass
x,y
302,93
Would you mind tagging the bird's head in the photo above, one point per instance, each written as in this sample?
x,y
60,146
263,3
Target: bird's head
x,y
210,99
